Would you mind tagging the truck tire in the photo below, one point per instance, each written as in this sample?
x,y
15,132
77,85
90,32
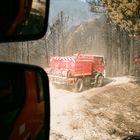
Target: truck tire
x,y
78,87
99,81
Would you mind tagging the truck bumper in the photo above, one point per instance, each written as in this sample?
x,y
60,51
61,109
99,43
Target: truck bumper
x,y
61,80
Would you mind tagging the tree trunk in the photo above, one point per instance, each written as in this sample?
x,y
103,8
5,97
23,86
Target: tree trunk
x,y
131,55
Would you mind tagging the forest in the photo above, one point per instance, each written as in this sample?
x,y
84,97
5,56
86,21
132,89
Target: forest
x,y
116,35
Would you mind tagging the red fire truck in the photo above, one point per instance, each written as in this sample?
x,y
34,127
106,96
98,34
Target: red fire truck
x,y
136,60
77,71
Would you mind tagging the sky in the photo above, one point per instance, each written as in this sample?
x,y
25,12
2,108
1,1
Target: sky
x,y
82,0
76,10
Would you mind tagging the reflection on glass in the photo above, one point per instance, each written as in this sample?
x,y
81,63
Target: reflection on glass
x,y
21,101
34,20
21,17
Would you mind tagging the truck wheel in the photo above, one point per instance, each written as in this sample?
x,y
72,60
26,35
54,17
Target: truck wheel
x,y
99,81
78,87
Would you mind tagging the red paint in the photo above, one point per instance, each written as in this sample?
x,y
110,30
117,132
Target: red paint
x,y
24,9
137,60
32,114
78,65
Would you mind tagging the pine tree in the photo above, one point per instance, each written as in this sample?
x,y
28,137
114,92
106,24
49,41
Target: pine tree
x,y
125,14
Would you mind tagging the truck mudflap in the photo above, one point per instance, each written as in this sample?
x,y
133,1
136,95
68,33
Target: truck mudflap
x,y
62,80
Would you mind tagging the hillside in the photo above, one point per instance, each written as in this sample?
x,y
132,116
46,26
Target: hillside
x,y
88,37
110,112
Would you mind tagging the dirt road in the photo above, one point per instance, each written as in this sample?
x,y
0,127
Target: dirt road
x,y
111,112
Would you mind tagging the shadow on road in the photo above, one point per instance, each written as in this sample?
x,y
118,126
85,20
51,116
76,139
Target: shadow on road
x,y
133,137
135,80
69,88
107,81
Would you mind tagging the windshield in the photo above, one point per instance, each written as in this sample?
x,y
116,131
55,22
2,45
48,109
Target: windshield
x,y
97,44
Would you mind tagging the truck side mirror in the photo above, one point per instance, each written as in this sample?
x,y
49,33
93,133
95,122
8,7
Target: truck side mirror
x,y
22,20
24,102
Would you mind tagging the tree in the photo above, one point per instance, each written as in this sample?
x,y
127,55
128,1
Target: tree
x,y
125,14
56,36
122,28
94,2
95,6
